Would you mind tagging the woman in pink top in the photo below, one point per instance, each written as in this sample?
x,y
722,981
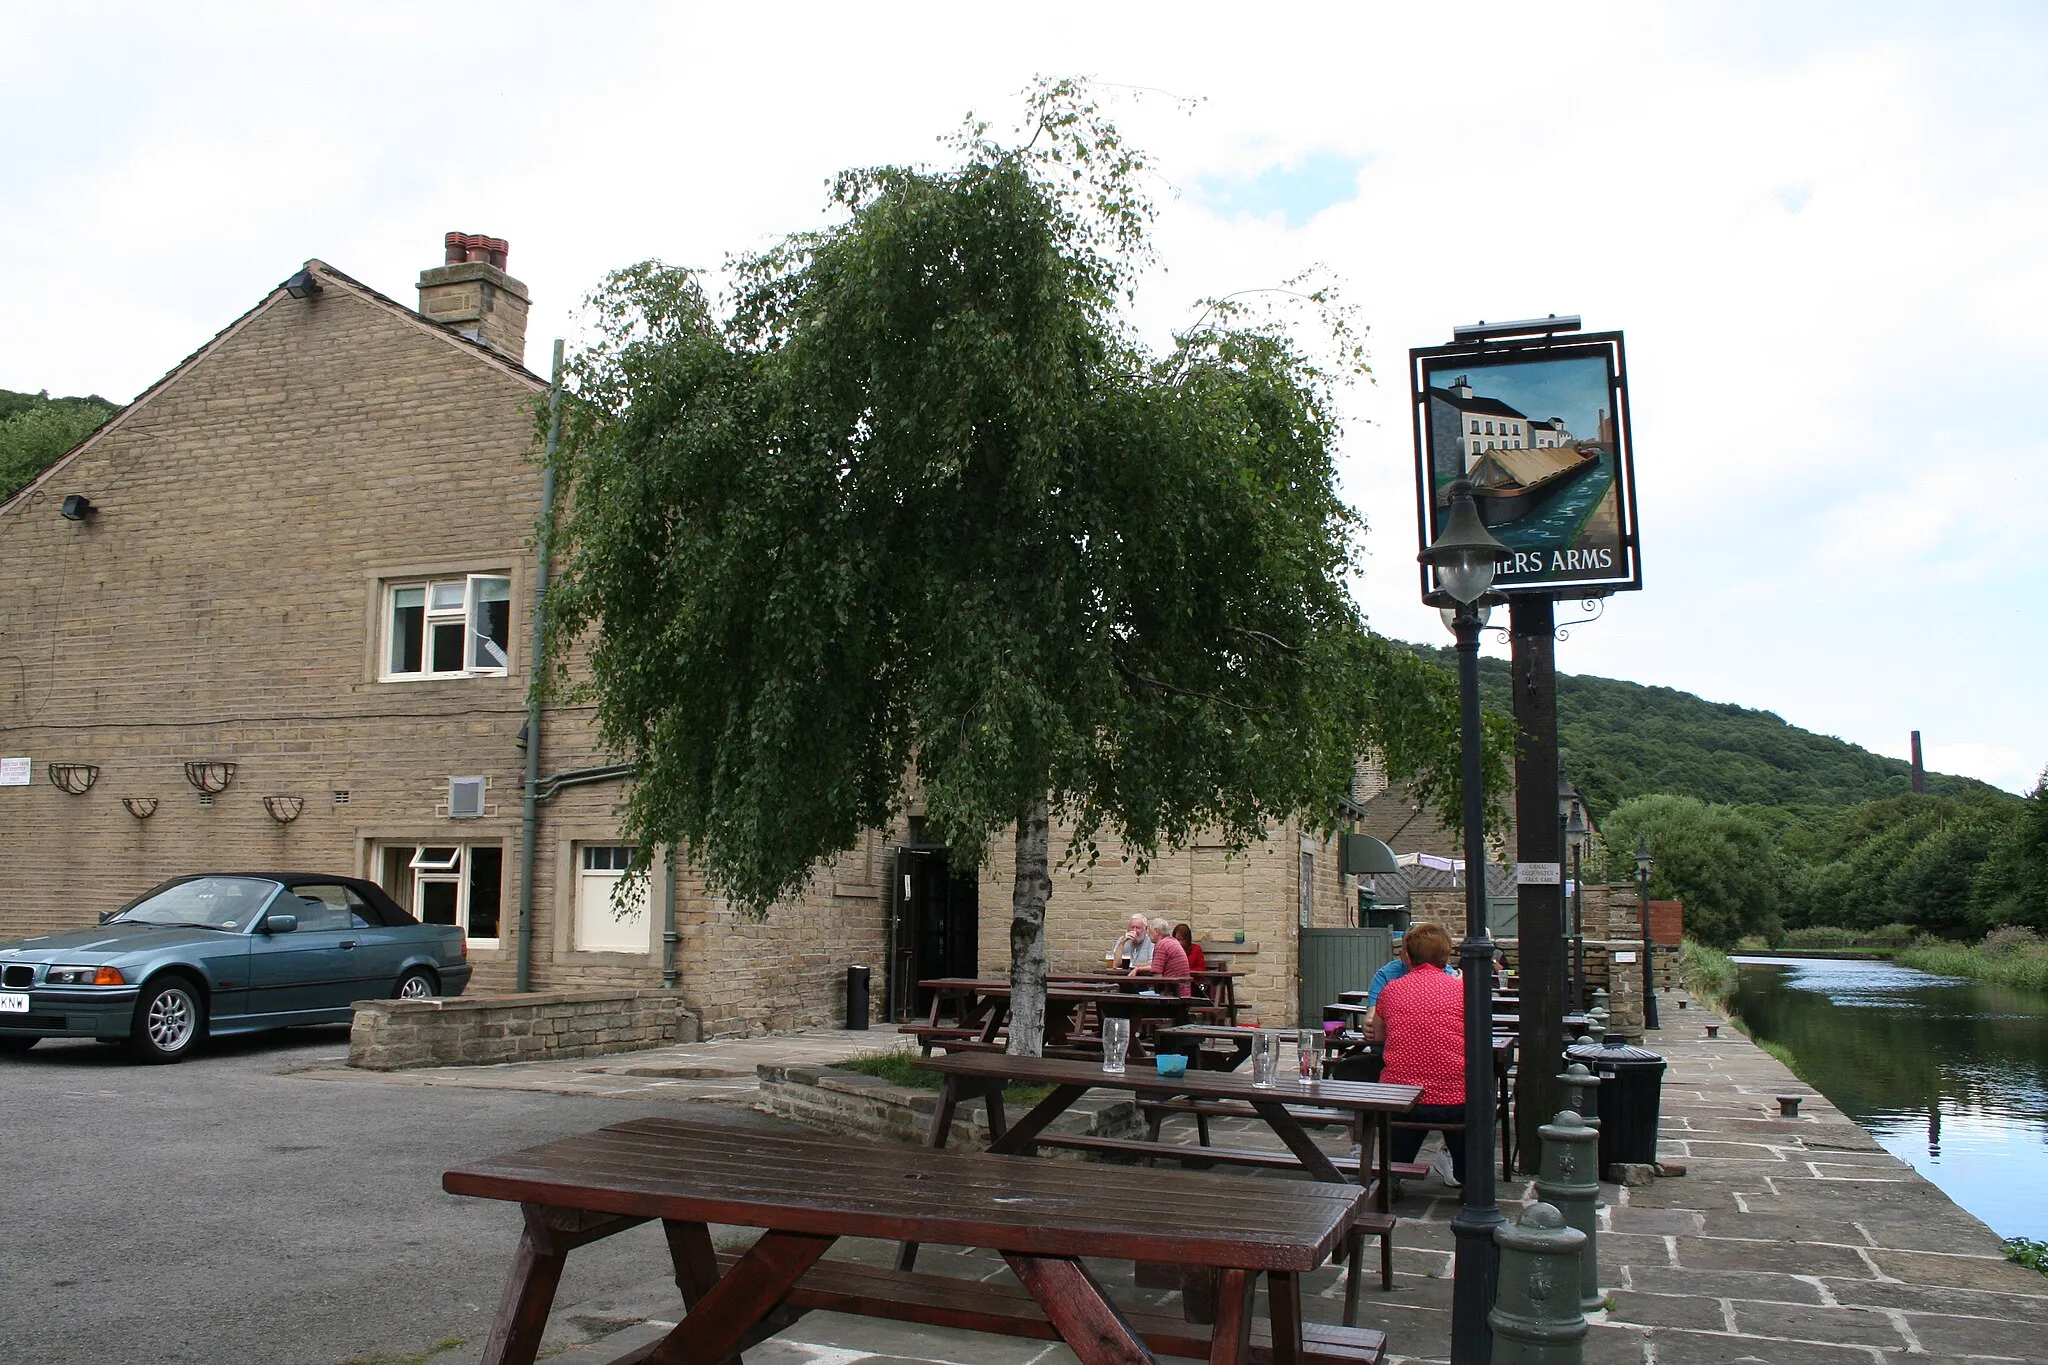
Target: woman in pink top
x,y
1169,960
1423,1013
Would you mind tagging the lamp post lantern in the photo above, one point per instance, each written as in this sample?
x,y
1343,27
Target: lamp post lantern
x,y
1643,865
1461,563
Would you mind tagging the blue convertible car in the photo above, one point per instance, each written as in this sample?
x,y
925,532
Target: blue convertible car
x,y
223,953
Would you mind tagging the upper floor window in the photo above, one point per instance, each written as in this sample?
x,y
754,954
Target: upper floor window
x,y
449,627
1475,426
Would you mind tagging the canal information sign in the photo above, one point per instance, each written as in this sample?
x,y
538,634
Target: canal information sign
x,y
1539,426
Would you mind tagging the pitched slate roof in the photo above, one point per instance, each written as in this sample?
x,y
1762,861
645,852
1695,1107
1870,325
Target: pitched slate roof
x,y
327,273
1478,406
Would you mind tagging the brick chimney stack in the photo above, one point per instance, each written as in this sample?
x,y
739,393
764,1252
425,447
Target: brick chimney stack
x,y
472,293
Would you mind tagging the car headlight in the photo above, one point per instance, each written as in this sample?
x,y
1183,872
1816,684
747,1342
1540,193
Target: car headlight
x,y
85,976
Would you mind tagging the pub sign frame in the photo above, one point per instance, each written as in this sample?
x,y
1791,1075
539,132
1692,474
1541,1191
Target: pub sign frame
x,y
1556,485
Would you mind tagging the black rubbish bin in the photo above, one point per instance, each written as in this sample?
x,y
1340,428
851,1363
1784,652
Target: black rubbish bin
x,y
1631,1088
857,997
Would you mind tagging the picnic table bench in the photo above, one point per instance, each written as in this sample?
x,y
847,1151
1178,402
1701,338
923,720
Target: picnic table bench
x,y
1369,1107
806,1191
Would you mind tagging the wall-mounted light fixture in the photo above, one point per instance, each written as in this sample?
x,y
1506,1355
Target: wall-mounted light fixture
x,y
78,507
76,778
141,807
210,776
284,809
302,285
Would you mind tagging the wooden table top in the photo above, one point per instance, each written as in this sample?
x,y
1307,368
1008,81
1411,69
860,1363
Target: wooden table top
x,y
749,1177
1208,1085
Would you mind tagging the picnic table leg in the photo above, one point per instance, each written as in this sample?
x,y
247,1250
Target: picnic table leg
x,y
722,1322
1283,1301
529,1293
1074,1302
1230,1342
1017,1140
1290,1131
942,1127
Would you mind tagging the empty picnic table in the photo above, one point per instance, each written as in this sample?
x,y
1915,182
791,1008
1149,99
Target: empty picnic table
x,y
1371,1108
1219,986
807,1191
983,1008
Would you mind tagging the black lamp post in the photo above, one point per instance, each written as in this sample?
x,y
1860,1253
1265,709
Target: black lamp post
x,y
1461,563
1571,812
1643,865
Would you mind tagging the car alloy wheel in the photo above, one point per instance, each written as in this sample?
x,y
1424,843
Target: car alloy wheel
x,y
171,1020
415,985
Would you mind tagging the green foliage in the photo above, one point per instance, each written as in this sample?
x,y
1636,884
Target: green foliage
x,y
1707,973
2011,887
898,1066
915,501
2027,1252
1716,859
1784,1056
2010,963
37,430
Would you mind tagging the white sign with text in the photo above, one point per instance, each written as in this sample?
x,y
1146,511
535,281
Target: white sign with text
x,y
14,772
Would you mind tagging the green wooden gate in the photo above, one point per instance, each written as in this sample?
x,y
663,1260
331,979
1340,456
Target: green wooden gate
x,y
1334,960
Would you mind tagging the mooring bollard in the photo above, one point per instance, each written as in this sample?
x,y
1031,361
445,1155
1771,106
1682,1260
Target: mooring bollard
x,y
1535,1317
1569,1179
1713,1030
1681,1004
1788,1106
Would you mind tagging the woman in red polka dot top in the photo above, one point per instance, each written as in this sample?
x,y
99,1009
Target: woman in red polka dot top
x,y
1423,1014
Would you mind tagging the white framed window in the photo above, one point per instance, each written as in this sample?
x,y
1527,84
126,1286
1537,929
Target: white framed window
x,y
611,913
448,628
460,884
1475,426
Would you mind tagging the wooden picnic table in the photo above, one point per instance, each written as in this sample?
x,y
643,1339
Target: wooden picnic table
x,y
985,1010
1370,1108
1219,986
806,1191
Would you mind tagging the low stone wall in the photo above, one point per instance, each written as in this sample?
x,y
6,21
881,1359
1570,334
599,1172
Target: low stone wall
x,y
868,1106
476,1030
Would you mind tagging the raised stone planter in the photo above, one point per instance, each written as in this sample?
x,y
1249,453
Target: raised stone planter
x,y
868,1106
476,1030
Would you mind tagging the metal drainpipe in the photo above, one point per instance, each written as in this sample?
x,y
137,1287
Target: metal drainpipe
x,y
529,815
669,937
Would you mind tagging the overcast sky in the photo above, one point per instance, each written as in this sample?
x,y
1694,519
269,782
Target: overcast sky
x,y
1820,226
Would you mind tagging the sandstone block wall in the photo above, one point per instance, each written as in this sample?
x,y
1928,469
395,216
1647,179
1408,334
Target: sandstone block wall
x,y
391,1035
868,1106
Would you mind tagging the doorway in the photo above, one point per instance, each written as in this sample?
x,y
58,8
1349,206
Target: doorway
x,y
935,929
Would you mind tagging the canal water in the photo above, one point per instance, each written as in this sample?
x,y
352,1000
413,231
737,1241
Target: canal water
x,y
1949,1075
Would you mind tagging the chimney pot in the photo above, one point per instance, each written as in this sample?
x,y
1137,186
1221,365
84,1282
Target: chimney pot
x,y
470,293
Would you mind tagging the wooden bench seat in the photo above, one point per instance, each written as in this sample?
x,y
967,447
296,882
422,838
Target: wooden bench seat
x,y
1008,1310
1156,1111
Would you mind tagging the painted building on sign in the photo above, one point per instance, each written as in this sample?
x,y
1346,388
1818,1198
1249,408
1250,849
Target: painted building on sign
x,y
278,613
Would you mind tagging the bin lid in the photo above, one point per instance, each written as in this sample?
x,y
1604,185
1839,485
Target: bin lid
x,y
1613,1054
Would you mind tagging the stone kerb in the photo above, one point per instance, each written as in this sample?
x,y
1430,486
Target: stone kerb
x,y
868,1106
392,1035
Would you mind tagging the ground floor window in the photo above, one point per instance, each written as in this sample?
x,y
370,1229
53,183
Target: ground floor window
x,y
460,884
611,913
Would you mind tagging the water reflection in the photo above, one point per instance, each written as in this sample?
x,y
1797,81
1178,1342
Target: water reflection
x,y
1949,1075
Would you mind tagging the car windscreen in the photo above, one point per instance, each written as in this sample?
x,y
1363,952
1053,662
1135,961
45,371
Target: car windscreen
x,y
202,903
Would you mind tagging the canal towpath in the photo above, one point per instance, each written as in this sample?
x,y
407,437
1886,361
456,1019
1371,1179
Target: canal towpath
x,y
1792,1241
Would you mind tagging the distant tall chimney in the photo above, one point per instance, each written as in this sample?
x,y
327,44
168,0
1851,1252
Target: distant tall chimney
x,y
471,293
1919,768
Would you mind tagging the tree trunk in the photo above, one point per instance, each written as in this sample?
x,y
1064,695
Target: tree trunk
x,y
1029,891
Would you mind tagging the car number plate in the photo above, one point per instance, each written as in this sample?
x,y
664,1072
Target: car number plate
x,y
13,1002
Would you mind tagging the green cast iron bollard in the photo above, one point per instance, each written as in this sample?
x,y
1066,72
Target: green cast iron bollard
x,y
1569,1178
1536,1318
1582,1092
1599,1001
1596,1026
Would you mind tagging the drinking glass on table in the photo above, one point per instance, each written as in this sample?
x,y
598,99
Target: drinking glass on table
x,y
1308,1045
1265,1058
1116,1044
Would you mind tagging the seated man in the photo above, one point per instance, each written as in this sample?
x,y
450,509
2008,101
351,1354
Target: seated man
x,y
1169,960
1393,970
1134,949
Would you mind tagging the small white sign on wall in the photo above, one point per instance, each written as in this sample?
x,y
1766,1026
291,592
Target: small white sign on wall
x,y
15,772
1624,957
1538,874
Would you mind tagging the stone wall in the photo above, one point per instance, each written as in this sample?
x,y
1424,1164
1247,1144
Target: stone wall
x,y
390,1035
868,1106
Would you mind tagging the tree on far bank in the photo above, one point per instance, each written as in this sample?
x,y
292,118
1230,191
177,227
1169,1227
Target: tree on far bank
x,y
1718,861
37,430
917,506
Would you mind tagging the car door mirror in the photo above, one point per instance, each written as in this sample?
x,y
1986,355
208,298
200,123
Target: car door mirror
x,y
106,915
280,924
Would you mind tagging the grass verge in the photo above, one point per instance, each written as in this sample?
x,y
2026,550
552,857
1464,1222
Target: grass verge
x,y
1708,974
2027,971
